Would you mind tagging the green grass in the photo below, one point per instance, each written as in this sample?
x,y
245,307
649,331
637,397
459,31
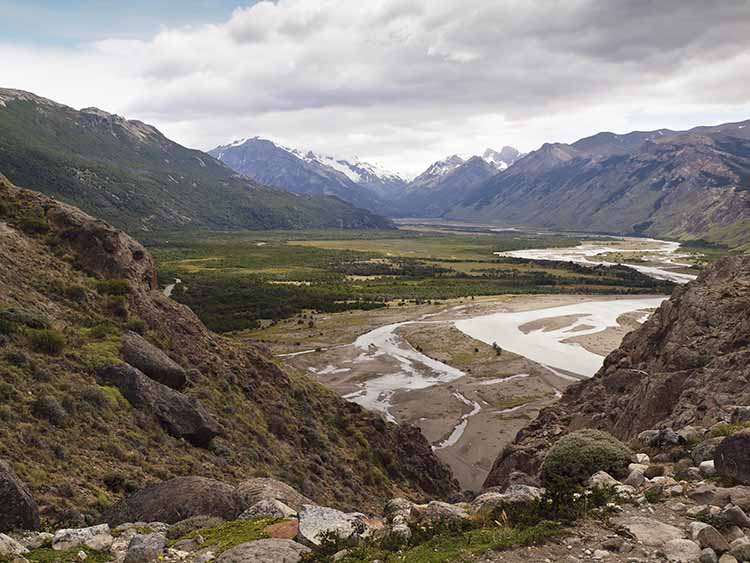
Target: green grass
x,y
725,429
451,548
231,534
232,281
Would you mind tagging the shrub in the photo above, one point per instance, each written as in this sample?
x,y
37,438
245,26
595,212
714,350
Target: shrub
x,y
103,330
16,358
136,325
49,408
6,326
577,456
46,341
113,287
75,293
33,225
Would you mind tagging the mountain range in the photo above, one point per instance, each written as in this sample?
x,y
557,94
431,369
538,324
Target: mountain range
x,y
306,172
360,183
129,173
674,184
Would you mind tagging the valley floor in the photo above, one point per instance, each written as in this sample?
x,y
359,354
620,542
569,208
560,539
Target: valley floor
x,y
412,364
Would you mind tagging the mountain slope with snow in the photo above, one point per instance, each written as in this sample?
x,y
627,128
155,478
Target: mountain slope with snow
x,y
359,183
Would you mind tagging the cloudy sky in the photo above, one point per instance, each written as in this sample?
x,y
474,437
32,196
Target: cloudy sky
x,y
402,82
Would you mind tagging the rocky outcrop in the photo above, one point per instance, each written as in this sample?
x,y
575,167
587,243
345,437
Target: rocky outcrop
x,y
177,499
142,355
18,510
180,416
689,364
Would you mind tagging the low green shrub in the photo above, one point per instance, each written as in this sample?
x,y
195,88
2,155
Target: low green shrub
x,y
576,457
137,325
49,408
113,287
46,341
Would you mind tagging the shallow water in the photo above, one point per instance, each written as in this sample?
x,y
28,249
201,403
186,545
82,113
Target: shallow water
x,y
547,347
662,251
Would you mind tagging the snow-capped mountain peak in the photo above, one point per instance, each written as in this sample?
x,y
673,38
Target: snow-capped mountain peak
x,y
501,159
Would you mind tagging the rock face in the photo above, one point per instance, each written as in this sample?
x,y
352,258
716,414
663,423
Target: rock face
x,y
18,510
94,537
650,532
180,416
732,457
265,551
177,499
686,365
142,355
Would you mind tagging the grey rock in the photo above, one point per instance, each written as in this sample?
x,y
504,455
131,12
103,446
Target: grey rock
x,y
177,499
635,479
682,551
708,555
35,540
735,515
733,532
265,551
732,457
268,507
602,480
261,488
438,512
740,548
180,416
142,355
317,522
707,468
515,496
95,537
740,415
9,547
145,548
649,531
705,450
710,537
18,510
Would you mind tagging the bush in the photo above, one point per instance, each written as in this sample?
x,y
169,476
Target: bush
x,y
49,408
75,293
576,457
113,287
33,225
136,325
46,341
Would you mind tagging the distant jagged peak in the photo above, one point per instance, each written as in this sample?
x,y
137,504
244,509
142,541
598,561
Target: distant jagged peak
x,y
355,169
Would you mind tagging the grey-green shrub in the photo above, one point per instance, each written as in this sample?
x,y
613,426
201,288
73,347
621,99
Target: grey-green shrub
x,y
577,456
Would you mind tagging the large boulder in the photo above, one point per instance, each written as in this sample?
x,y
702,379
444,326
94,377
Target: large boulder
x,y
648,531
177,499
93,537
264,488
576,457
682,551
514,497
317,523
181,417
18,510
145,548
10,547
142,355
732,457
265,551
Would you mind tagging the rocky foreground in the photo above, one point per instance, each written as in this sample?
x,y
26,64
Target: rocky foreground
x,y
671,504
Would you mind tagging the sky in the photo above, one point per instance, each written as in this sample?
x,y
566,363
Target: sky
x,y
397,82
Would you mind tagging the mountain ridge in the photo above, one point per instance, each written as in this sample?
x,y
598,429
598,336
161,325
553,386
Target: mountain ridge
x,y
132,175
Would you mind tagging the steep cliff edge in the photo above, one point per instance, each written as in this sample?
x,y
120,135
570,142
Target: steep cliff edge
x,y
83,429
689,364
